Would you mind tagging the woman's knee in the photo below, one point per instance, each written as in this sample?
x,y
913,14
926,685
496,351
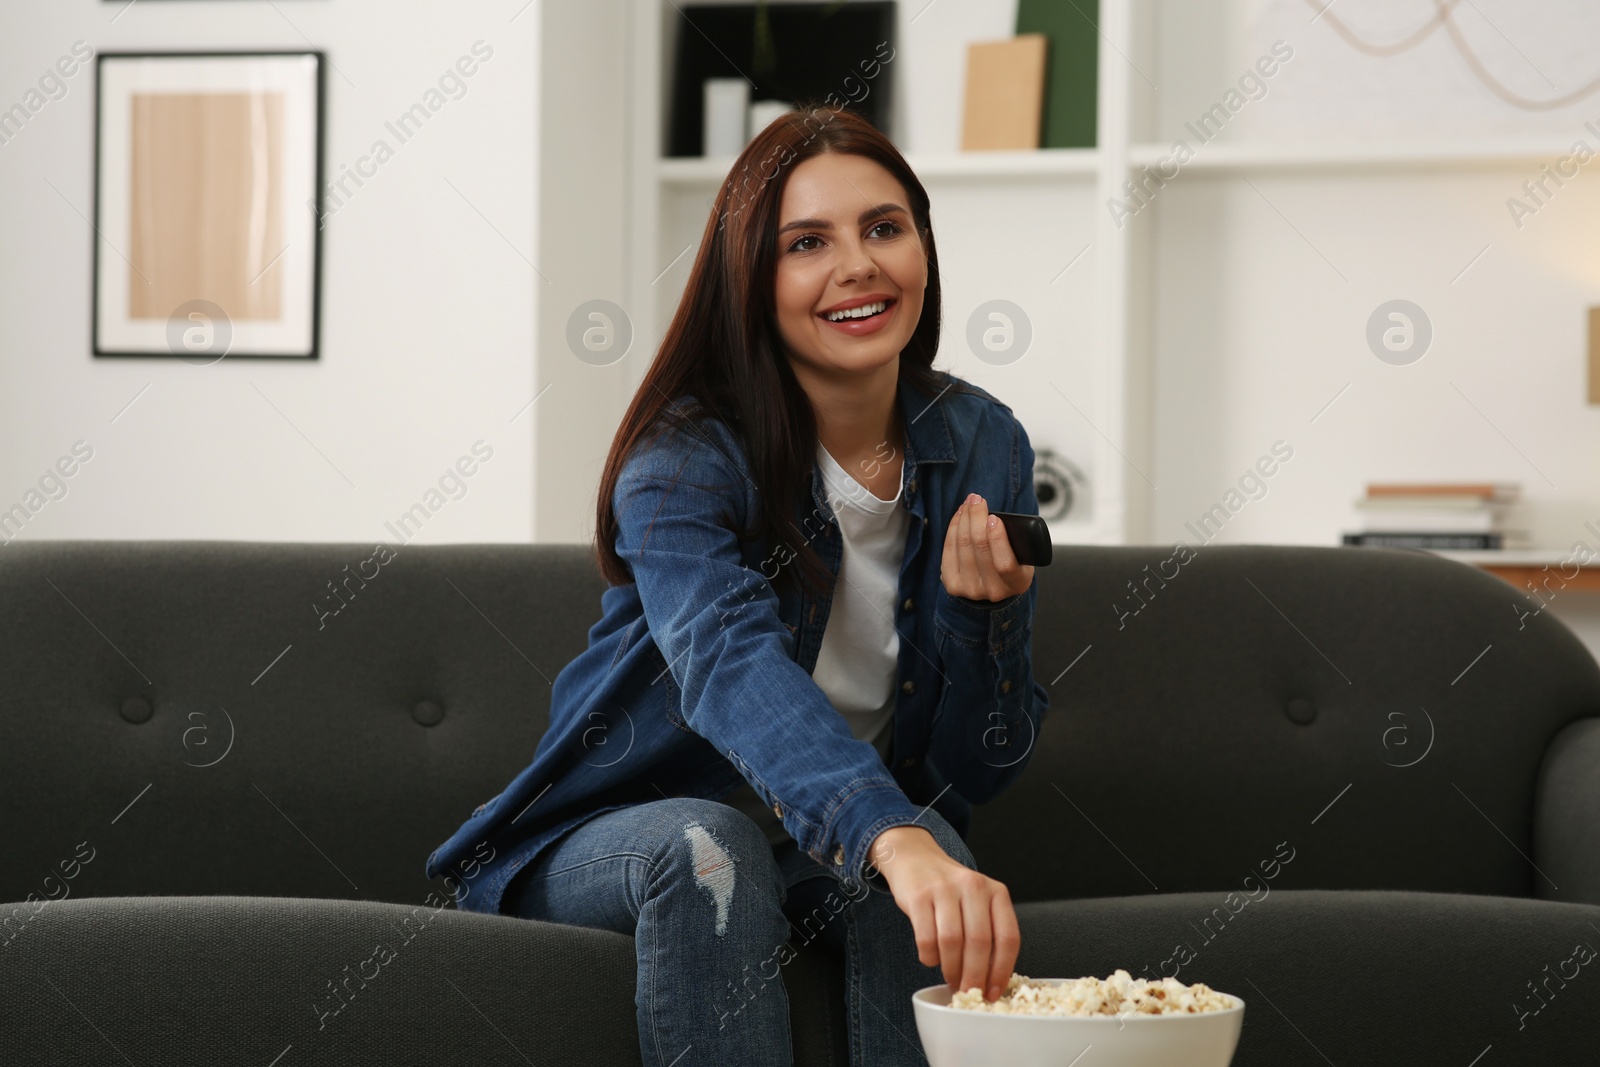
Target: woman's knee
x,y
720,844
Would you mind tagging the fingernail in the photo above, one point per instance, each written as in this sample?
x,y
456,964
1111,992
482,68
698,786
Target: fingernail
x,y
992,520
971,497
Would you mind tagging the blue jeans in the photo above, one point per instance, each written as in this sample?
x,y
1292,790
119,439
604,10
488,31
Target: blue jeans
x,y
715,911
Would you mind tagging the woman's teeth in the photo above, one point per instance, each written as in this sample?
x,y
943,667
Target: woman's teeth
x,y
857,312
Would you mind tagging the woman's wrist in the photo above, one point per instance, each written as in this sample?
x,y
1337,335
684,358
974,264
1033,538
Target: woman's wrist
x,y
894,839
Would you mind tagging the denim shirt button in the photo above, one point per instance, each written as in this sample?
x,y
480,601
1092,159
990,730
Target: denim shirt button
x,y
907,605
777,810
1005,686
909,686
838,856
909,761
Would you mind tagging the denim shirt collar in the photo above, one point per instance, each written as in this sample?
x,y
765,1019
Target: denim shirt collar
x,y
927,440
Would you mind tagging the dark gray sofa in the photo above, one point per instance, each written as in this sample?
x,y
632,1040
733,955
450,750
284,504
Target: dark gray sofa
x,y
226,792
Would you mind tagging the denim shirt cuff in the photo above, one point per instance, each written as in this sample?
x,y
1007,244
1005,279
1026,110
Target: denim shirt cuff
x,y
997,623
867,813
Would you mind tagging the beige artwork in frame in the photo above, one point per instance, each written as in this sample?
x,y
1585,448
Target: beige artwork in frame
x,y
207,178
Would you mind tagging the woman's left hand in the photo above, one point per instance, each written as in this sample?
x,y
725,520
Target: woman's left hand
x,y
978,562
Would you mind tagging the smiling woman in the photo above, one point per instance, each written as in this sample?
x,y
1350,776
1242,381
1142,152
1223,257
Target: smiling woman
x,y
813,635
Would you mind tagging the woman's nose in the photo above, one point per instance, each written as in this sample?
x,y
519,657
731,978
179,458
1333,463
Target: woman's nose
x,y
858,265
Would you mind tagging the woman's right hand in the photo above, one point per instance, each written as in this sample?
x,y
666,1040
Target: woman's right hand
x,y
963,920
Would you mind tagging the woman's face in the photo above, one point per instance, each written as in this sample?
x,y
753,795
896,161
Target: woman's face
x,y
846,239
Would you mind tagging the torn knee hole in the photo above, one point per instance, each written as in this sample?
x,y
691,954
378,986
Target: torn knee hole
x,y
714,870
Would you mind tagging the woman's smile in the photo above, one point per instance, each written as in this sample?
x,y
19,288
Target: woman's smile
x,y
859,319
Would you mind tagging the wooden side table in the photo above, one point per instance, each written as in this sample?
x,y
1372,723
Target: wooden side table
x,y
1525,567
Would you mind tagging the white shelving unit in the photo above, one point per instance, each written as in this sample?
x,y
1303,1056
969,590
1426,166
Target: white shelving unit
x,y
1115,303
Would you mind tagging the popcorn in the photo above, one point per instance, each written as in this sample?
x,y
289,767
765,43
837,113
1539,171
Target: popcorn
x,y
1120,994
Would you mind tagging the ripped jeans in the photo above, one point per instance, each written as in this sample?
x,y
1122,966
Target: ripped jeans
x,y
715,910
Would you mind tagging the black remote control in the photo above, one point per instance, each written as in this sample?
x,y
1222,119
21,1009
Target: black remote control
x,y
1029,536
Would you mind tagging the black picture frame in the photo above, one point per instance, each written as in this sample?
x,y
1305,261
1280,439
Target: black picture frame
x,y
314,205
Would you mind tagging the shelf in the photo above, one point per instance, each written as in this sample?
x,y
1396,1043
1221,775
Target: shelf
x,y
1354,155
1043,163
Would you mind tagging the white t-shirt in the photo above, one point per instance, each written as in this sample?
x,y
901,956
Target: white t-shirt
x,y
858,661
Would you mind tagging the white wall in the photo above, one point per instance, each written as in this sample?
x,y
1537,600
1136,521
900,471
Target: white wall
x,y
585,77
428,296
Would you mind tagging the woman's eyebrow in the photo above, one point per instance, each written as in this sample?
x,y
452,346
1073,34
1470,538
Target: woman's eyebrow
x,y
824,224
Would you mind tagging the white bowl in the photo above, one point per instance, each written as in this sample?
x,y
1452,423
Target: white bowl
x,y
957,1037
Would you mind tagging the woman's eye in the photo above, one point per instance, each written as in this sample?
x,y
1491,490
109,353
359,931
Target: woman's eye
x,y
894,229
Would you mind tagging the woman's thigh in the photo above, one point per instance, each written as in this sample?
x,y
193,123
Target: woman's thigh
x,y
601,872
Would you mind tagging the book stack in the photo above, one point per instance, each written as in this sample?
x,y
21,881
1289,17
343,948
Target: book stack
x,y
1437,515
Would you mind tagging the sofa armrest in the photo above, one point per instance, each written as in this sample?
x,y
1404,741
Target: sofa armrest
x,y
1566,814
239,979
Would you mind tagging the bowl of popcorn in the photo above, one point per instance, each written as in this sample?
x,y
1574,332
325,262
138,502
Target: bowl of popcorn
x,y
1049,1022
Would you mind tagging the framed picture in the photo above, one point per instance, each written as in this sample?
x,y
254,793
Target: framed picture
x,y
208,180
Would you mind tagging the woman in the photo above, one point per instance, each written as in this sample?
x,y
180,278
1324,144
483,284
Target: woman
x,y
813,654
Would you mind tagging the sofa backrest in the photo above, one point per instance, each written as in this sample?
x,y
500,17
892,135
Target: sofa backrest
x,y
276,748
1376,717
205,717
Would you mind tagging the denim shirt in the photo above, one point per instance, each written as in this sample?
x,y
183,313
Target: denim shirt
x,y
697,677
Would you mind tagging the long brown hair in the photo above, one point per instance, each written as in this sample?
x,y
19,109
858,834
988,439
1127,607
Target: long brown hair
x,y
724,347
